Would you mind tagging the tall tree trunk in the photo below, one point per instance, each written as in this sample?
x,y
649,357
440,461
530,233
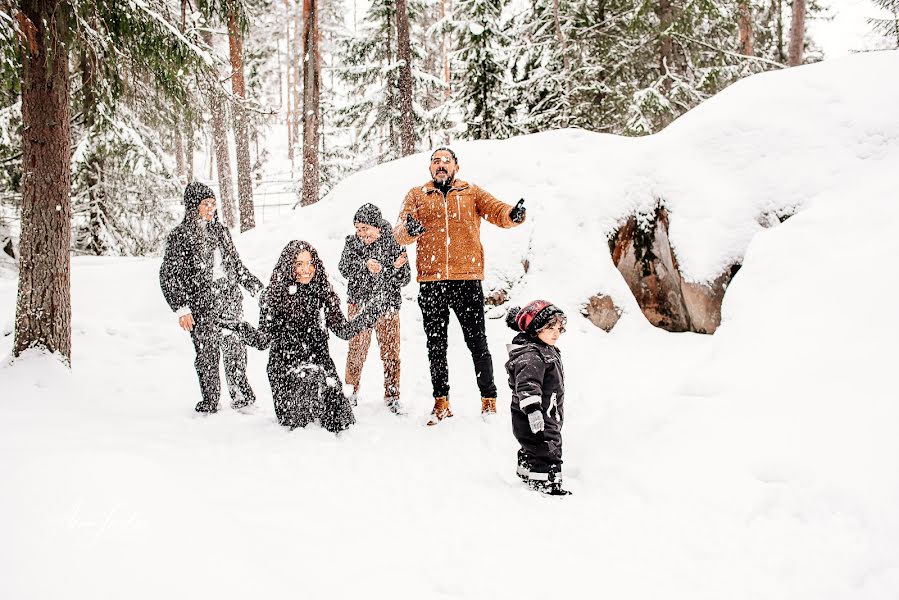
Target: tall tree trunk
x,y
392,129
189,146
566,64
297,77
311,92
179,150
290,54
241,137
745,22
220,143
404,54
44,307
445,55
797,33
665,12
93,161
778,7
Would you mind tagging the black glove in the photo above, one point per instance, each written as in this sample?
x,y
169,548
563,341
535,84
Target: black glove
x,y
413,226
517,212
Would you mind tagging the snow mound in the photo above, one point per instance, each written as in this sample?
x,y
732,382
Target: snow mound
x,y
759,462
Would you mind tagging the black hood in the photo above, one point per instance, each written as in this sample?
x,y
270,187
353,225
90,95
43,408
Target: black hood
x,y
195,193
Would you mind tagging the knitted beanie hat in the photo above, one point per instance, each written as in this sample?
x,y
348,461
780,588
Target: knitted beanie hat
x,y
195,193
533,317
368,214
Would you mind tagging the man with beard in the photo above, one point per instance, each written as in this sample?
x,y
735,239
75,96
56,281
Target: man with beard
x,y
200,274
444,217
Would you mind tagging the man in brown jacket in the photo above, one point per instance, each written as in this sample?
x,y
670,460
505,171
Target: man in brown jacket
x,y
444,217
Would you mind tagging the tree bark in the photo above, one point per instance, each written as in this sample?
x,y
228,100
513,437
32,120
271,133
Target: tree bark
x,y
241,137
404,54
797,34
43,306
745,22
311,101
220,144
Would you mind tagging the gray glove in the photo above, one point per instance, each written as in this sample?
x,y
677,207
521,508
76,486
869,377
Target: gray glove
x,y
536,420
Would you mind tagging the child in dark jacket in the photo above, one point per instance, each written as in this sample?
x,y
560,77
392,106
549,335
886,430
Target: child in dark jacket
x,y
372,260
537,380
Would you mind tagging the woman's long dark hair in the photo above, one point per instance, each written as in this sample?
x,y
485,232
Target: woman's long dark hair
x,y
284,276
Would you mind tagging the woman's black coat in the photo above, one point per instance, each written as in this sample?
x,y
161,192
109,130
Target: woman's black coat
x,y
294,321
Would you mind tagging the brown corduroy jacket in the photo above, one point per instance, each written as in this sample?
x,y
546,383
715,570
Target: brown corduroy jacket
x,y
450,248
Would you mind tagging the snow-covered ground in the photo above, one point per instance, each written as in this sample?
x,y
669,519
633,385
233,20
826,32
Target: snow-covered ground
x,y
760,462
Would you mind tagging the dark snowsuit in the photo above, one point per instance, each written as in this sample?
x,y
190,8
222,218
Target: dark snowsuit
x,y
187,280
294,321
537,380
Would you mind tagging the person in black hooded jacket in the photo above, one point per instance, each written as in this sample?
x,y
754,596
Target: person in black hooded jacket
x,y
199,276
297,310
372,260
537,380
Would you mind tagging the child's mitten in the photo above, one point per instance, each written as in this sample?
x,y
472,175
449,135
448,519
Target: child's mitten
x,y
536,421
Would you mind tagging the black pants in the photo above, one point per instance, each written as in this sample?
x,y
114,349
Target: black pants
x,y
466,299
211,344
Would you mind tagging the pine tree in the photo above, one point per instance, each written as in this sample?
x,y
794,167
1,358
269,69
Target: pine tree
x,y
542,67
480,72
889,27
138,37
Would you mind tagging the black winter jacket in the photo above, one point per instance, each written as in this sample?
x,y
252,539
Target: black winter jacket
x,y
360,282
294,320
537,380
187,266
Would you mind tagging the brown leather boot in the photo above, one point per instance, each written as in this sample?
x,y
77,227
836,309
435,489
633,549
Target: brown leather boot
x,y
488,406
441,410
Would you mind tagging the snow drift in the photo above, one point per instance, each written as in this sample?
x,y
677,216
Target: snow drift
x,y
756,463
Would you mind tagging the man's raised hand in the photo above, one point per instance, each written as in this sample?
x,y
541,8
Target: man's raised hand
x,y
517,212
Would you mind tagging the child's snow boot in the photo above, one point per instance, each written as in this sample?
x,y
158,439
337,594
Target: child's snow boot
x,y
441,410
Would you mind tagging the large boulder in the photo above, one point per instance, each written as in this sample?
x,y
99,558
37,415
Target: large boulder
x,y
642,252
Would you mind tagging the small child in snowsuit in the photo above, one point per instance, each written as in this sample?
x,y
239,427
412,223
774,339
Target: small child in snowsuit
x,y
537,380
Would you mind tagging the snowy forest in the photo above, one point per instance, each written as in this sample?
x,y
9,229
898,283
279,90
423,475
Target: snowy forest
x,y
146,95
151,84
699,194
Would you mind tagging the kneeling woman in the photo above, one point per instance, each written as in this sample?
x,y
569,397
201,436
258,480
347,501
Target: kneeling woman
x,y
297,309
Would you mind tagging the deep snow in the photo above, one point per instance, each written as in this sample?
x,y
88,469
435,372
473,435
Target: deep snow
x,y
760,462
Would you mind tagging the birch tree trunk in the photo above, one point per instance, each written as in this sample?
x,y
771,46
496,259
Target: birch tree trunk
x,y
311,102
43,306
797,34
241,137
404,54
